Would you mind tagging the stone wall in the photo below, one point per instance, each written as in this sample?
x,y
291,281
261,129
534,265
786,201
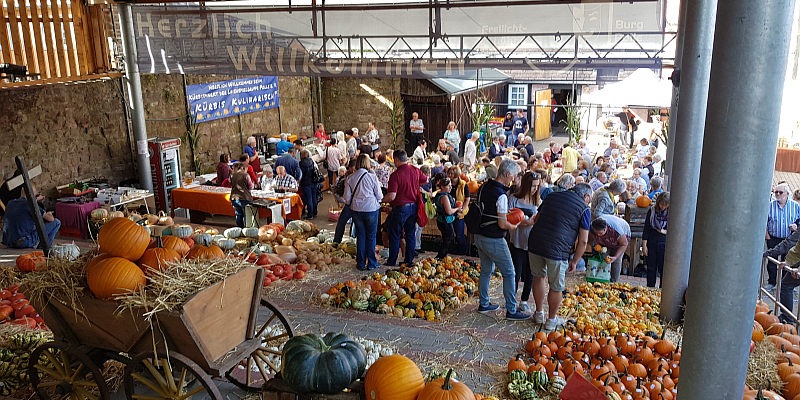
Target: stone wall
x,y
345,104
74,131
165,108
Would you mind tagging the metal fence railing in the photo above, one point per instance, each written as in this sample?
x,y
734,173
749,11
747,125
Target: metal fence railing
x,y
776,297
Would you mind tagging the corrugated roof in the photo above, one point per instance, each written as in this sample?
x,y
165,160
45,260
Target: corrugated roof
x,y
485,77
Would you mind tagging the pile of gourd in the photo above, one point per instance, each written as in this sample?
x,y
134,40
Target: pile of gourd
x,y
613,308
421,290
641,367
14,360
787,343
128,254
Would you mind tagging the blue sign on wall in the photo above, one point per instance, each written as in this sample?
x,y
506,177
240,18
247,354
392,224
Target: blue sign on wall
x,y
215,100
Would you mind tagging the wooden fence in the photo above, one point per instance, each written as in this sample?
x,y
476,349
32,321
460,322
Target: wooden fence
x,y
61,40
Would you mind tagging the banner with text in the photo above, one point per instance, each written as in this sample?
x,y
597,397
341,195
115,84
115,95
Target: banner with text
x,y
215,100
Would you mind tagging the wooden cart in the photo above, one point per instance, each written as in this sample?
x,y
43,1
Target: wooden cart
x,y
226,330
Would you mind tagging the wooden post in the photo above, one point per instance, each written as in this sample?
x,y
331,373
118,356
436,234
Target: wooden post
x,y
37,217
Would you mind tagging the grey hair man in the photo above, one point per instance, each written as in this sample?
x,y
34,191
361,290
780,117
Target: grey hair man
x,y
252,154
493,250
563,220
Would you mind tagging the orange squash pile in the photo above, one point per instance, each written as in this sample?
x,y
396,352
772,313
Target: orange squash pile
x,y
787,342
637,367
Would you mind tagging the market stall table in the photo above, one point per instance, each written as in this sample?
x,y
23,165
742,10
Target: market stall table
x,y
787,160
75,218
217,200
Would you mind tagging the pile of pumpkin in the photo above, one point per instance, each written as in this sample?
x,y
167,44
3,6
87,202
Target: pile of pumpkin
x,y
331,363
421,290
15,309
641,367
613,308
102,215
127,255
787,343
14,360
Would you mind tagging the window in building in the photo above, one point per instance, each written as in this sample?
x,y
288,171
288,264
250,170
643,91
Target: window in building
x,y
517,96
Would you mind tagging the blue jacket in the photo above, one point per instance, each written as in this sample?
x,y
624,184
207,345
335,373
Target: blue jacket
x,y
283,146
556,230
292,166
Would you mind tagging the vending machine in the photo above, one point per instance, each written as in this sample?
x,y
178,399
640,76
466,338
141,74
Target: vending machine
x,y
165,164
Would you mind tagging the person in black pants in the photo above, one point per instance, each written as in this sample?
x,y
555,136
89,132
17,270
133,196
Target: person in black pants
x,y
446,211
654,238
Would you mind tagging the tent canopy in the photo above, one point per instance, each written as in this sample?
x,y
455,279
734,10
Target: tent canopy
x,y
642,88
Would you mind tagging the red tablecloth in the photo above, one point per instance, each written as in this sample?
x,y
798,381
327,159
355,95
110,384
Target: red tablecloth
x,y
75,218
217,200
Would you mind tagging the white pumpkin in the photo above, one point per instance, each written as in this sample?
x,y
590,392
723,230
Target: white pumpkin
x,y
266,249
226,244
182,231
100,213
250,232
233,233
134,217
164,219
69,251
116,214
202,238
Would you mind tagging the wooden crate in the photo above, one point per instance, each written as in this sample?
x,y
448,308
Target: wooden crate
x,y
277,389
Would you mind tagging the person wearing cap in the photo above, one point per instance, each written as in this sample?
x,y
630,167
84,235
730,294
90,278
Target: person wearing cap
x,y
471,151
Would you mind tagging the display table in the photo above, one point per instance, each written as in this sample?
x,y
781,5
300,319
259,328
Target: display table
x,y
75,218
787,160
217,200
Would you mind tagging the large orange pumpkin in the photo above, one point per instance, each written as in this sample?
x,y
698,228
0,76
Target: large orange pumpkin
x,y
766,320
156,259
201,252
473,186
446,389
393,377
179,245
515,216
96,260
643,201
31,261
114,276
121,237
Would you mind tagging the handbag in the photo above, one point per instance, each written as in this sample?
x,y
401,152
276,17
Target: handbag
x,y
474,218
422,214
597,270
325,161
318,177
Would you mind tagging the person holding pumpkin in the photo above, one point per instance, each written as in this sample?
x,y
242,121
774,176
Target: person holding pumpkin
x,y
241,185
491,243
363,194
19,230
526,199
654,238
460,192
613,233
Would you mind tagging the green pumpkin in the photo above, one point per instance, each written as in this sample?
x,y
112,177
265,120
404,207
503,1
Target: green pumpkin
x,y
539,380
325,364
556,385
518,376
528,394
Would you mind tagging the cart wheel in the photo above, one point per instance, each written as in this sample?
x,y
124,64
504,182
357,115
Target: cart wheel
x,y
265,362
171,376
58,370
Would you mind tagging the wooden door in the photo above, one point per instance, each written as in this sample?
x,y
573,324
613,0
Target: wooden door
x,y
542,114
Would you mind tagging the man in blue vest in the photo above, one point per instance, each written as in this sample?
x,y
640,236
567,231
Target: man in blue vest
x,y
491,243
563,218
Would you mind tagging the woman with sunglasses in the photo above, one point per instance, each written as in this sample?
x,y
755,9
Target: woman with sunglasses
x,y
526,199
446,211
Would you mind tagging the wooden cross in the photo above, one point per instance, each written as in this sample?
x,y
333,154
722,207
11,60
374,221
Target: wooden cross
x,y
25,180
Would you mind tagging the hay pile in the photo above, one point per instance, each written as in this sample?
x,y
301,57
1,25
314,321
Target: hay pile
x,y
62,278
762,368
167,290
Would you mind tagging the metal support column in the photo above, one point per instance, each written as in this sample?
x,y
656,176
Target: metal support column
x,y
673,109
135,91
687,146
751,48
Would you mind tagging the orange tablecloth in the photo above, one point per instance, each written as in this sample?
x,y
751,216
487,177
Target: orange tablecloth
x,y
217,200
787,160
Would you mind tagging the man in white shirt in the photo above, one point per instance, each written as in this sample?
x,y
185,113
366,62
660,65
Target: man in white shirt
x,y
417,128
470,151
372,136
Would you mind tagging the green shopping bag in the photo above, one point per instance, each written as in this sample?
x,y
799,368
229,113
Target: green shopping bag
x,y
597,270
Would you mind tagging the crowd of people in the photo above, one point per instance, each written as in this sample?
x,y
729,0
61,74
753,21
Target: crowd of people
x,y
561,217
